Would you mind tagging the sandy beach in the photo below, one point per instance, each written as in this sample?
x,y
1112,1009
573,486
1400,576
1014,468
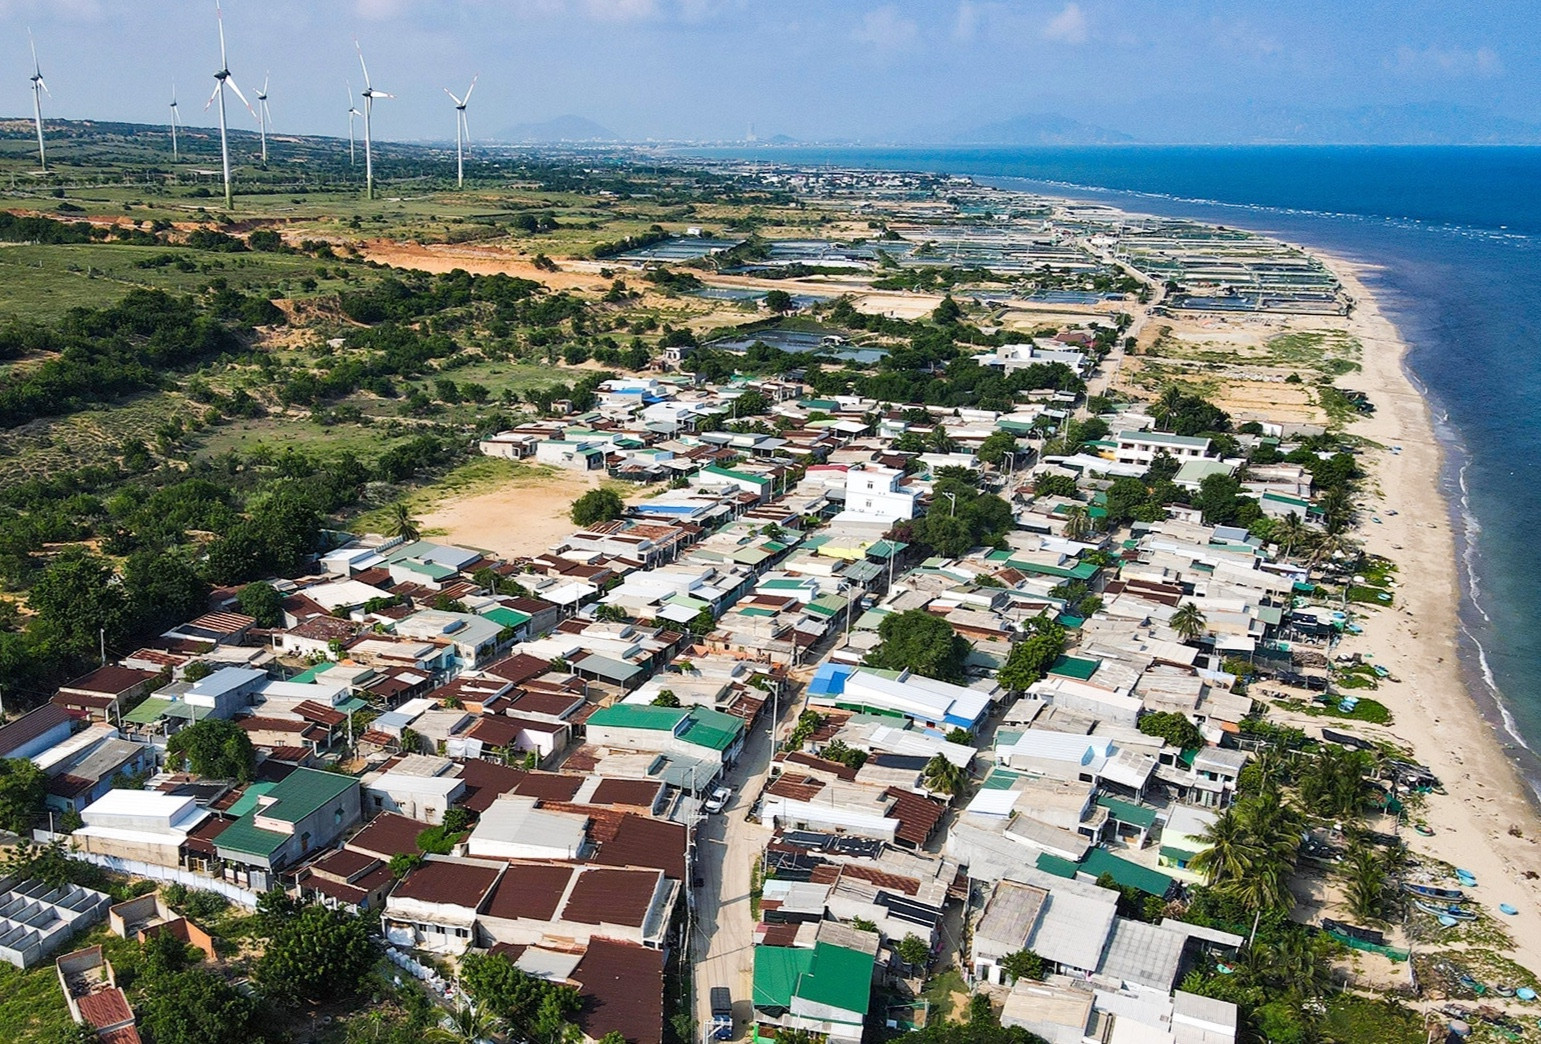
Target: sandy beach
x,y
1486,822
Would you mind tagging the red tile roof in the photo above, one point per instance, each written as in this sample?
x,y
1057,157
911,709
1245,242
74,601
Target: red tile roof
x,y
388,834
110,680
531,891
105,1008
622,988
450,884
917,815
620,897
640,841
638,793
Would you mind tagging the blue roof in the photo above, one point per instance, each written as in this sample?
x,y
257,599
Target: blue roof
x,y
829,679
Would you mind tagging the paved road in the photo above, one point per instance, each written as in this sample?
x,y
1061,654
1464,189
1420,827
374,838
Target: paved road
x,y
722,940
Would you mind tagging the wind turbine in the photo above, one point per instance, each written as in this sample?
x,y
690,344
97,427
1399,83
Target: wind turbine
x,y
221,78
264,115
175,117
462,130
370,94
353,114
39,88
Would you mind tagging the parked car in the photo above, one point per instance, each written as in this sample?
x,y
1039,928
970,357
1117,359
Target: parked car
x,y
719,799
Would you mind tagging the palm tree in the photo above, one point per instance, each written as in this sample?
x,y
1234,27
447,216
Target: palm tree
x,y
466,1023
1364,883
1228,851
1337,510
1289,533
1167,405
403,524
943,776
1078,522
1189,622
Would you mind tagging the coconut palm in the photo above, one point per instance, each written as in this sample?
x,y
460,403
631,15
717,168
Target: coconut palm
x,y
1337,510
466,1023
1189,622
403,524
942,776
1290,533
1364,883
1165,407
1228,850
1078,522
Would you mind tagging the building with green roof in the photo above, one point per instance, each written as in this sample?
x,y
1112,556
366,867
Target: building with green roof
x,y
693,732
826,989
304,811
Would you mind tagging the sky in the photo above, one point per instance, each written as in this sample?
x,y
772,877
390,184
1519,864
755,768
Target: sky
x,y
859,70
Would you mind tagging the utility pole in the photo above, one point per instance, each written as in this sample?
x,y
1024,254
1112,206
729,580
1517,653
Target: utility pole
x,y
101,637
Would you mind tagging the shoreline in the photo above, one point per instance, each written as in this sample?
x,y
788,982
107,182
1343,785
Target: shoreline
x,y
1489,820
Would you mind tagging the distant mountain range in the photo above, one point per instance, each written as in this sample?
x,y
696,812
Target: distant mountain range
x,y
1408,124
568,128
1037,129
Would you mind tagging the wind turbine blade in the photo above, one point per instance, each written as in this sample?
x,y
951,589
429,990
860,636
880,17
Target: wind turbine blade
x,y
219,16
360,50
471,89
265,78
382,94
217,85
465,126
231,81
452,97
43,85
36,69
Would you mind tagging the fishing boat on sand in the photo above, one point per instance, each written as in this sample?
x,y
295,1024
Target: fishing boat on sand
x,y
1445,911
1428,891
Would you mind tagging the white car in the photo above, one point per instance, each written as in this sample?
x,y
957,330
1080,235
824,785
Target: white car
x,y
719,799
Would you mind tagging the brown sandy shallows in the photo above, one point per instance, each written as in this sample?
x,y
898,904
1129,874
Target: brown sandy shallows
x,y
1435,714
524,516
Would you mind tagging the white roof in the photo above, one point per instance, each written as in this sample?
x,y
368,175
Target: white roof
x,y
922,698
1059,746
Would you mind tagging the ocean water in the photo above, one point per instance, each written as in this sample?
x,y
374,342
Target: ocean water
x,y
1456,235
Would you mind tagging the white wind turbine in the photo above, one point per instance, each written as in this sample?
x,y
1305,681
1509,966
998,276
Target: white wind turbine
x,y
221,78
264,115
175,118
353,114
39,88
462,130
370,94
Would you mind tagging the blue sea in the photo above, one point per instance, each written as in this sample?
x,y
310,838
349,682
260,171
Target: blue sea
x,y
1457,235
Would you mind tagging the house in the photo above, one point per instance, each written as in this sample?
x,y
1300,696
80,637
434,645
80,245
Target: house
x,y
143,825
694,732
516,827
937,707
305,811
476,639
533,902
35,731
1142,447
824,989
347,880
434,906
572,454
877,494
417,786
101,695
91,769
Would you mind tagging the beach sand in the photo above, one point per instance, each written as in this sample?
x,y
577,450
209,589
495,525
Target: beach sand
x,y
1487,822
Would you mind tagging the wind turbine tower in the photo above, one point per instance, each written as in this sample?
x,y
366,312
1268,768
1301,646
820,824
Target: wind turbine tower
x,y
175,117
39,88
264,115
353,114
221,79
370,94
462,131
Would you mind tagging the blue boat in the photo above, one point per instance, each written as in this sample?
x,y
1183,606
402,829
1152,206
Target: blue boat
x,y
1423,891
1466,877
1505,908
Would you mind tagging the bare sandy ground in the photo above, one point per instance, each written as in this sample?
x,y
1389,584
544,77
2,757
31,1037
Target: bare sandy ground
x,y
526,516
1486,823
478,260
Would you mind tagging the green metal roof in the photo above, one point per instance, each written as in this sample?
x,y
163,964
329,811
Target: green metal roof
x,y
244,837
506,617
295,797
885,549
838,977
1100,861
828,605
711,728
999,778
759,480
1053,864
638,716
432,570
1075,667
149,712
1128,812
776,971
248,799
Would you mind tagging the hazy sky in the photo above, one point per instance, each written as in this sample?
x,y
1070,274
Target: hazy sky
x,y
858,69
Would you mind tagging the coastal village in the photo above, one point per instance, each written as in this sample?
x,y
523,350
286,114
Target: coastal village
x,y
833,713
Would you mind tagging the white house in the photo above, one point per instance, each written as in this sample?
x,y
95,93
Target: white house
x,y
873,493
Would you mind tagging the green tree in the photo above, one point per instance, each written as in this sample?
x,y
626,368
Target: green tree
x,y
1189,622
402,524
197,1006
778,301
597,505
1173,727
1048,484
1078,522
1364,883
666,698
316,956
535,1008
214,748
995,447
76,599
262,602
23,788
915,640
913,951
1024,964
943,776
162,590
1031,657
947,313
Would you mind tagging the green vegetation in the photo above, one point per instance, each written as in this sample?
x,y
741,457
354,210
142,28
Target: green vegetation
x,y
597,505
918,641
215,748
1173,727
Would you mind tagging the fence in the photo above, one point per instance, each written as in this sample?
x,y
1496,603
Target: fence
x,y
169,874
